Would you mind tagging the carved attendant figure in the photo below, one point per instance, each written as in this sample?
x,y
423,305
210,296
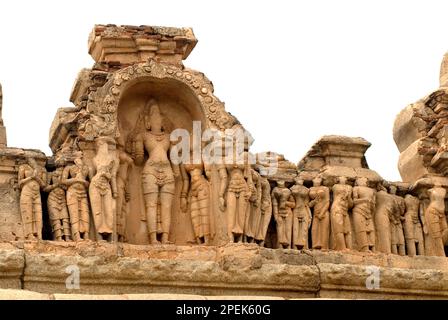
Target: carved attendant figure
x,y
103,188
435,222
413,232
75,178
301,215
197,187
384,209
123,196
31,179
57,206
340,221
238,195
320,202
282,204
364,205
254,211
157,175
396,219
266,211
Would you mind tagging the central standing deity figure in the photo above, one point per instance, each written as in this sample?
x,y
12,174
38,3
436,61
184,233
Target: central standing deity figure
x,y
157,176
320,202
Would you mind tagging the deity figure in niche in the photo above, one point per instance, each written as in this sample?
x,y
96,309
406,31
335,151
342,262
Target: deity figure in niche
x,y
196,193
301,215
435,225
238,194
158,179
363,208
413,231
123,195
340,220
265,212
282,205
31,178
396,219
253,216
320,202
57,206
103,188
384,209
75,178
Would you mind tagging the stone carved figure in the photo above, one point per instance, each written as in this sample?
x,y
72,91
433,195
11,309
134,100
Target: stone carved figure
x,y
385,203
123,195
435,225
103,188
363,208
57,206
413,231
31,178
396,219
301,215
282,205
340,220
320,202
196,189
75,178
237,177
158,179
253,215
265,211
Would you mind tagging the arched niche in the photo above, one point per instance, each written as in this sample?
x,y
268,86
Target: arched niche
x,y
176,100
180,106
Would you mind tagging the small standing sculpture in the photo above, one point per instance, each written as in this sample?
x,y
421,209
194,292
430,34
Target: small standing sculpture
x,y
385,203
363,207
265,212
196,188
238,195
396,219
103,188
413,231
320,202
282,204
31,178
123,196
254,210
158,179
57,206
75,178
340,220
301,215
435,222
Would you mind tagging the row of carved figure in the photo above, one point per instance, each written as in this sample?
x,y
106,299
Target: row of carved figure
x,y
343,217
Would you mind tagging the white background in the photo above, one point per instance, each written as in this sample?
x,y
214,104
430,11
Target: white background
x,y
291,71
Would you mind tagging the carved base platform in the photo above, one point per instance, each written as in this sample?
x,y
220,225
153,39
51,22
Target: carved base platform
x,y
231,270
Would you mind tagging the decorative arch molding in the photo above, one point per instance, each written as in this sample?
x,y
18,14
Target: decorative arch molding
x,y
103,103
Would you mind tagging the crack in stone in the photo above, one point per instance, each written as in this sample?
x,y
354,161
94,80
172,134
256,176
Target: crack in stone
x,y
316,264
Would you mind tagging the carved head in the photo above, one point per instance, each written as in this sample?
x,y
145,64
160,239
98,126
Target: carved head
x,y
153,117
392,189
281,183
299,181
342,180
361,181
317,181
78,159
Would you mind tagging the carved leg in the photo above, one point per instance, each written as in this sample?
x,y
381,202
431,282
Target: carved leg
x,y
231,212
151,216
195,218
166,199
240,219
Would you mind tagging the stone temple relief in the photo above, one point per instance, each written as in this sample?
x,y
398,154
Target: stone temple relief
x,y
147,155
